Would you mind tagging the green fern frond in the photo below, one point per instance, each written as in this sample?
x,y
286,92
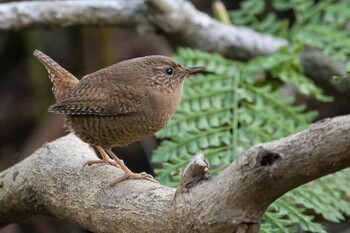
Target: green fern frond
x,y
282,216
324,25
227,111
238,105
324,197
208,114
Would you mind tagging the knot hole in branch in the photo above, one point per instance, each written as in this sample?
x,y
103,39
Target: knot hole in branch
x,y
268,158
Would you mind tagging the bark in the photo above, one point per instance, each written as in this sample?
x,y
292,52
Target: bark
x,y
29,14
178,20
51,182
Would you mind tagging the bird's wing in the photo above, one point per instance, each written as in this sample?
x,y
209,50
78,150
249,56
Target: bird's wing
x,y
99,99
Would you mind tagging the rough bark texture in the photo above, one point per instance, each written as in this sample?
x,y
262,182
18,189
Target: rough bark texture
x,y
178,20
29,14
51,182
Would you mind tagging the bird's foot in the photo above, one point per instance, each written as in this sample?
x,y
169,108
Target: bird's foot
x,y
128,174
105,161
132,175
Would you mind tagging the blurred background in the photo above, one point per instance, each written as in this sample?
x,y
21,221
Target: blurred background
x,y
25,92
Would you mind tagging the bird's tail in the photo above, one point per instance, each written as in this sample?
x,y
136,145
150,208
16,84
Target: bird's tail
x,y
61,79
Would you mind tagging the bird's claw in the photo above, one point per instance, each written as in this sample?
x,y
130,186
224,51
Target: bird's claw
x,y
142,175
92,162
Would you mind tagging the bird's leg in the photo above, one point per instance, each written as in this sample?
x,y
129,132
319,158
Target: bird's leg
x,y
105,159
128,174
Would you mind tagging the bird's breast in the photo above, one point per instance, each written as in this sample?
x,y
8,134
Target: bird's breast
x,y
161,107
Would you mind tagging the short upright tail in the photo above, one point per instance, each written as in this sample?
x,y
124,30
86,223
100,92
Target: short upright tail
x,y
61,79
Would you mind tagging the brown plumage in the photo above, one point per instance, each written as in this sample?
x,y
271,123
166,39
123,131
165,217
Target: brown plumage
x,y
120,104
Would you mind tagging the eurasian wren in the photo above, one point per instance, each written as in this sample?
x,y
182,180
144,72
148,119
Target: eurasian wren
x,y
120,104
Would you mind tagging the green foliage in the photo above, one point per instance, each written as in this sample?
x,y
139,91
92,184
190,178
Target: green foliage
x,y
324,196
238,105
324,25
340,79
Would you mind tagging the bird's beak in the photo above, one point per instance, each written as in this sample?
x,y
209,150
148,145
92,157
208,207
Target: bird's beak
x,y
196,69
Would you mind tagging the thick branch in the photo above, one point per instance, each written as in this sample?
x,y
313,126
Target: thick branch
x,y
274,168
21,15
181,23
51,182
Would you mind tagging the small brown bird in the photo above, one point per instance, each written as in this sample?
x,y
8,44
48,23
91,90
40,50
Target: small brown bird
x,y
120,104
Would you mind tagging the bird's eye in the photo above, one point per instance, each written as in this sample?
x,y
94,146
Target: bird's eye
x,y
169,71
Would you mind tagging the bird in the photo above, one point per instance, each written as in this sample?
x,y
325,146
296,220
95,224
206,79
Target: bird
x,y
118,105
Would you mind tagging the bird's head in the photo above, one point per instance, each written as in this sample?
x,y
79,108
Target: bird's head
x,y
164,72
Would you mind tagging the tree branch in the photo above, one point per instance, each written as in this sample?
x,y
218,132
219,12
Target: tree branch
x,y
51,182
178,20
29,14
